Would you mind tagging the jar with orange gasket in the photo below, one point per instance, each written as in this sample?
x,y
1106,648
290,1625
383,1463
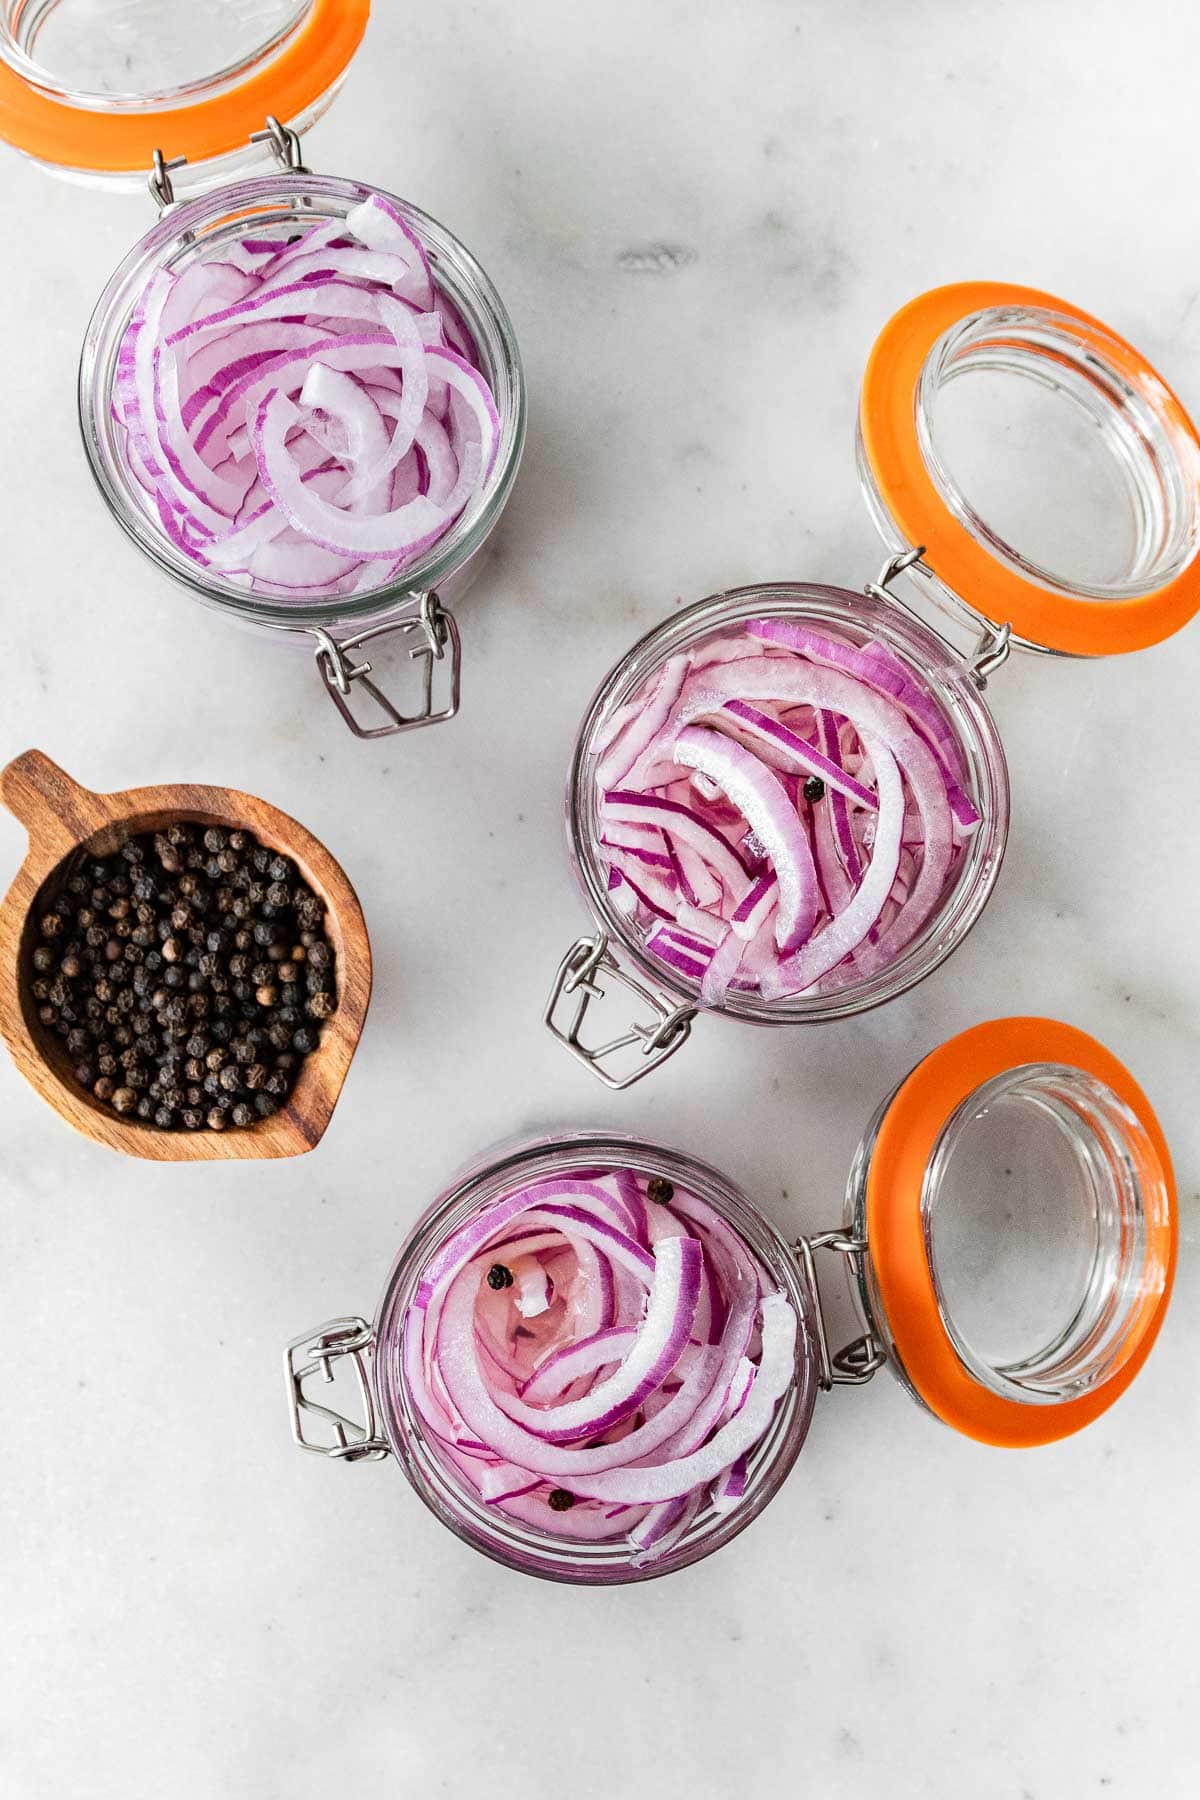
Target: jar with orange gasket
x,y
790,802
621,1317
300,397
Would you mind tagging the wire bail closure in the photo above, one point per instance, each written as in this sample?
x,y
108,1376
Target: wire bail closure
x,y
283,139
857,1361
440,642
578,978
315,1353
995,641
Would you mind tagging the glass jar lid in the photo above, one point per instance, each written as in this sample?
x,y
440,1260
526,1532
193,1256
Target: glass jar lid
x,y
1018,1211
86,92
1048,472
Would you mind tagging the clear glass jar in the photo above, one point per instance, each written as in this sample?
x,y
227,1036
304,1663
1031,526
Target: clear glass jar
x,y
991,417
1010,1238
210,94
91,93
278,205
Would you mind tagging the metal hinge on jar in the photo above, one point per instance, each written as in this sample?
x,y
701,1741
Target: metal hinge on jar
x,y
349,1440
440,642
581,979
856,1362
994,642
283,139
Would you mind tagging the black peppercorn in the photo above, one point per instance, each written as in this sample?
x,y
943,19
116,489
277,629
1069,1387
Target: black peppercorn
x,y
143,969
559,1500
498,1277
814,788
660,1190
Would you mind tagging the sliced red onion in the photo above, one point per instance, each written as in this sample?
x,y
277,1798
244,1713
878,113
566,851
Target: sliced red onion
x,y
847,929
522,1402
775,744
682,822
764,804
208,348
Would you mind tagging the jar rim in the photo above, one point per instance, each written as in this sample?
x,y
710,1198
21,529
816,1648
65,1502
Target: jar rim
x,y
915,500
966,711
236,203
290,74
889,1202
481,1183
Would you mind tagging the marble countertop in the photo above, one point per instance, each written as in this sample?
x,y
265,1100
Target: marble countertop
x,y
700,217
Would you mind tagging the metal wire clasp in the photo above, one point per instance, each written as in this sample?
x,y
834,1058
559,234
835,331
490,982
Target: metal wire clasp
x,y
578,979
283,139
858,1360
316,1352
285,142
995,641
439,642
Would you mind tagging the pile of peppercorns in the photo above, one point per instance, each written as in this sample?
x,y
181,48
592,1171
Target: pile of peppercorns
x,y
188,973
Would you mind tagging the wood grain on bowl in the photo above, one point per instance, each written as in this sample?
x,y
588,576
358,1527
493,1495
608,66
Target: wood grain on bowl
x,y
61,817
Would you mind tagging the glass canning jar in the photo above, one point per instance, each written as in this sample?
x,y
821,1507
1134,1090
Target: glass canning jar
x,y
990,416
214,95
1009,1239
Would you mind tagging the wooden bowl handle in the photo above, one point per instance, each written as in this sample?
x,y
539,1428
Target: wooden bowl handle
x,y
55,810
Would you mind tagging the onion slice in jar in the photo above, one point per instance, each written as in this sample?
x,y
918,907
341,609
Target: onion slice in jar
x,y
529,1407
207,347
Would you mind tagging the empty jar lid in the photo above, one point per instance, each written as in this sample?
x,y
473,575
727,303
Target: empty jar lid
x,y
1018,1209
99,95
1048,471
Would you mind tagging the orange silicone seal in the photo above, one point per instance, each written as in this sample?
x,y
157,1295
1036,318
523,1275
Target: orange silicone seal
x,y
899,1257
73,137
888,422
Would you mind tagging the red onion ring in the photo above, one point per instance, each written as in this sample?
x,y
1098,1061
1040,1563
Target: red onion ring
x,y
641,1394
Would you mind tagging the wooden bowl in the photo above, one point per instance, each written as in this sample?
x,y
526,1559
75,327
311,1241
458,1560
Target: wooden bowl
x,y
61,817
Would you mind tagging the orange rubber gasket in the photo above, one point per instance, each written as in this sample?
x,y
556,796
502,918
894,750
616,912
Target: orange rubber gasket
x,y
887,415
899,1259
72,137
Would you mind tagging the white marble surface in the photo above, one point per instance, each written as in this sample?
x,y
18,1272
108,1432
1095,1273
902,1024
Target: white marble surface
x,y
700,216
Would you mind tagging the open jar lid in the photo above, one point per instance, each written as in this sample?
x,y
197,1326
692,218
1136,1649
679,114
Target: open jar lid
x,y
98,95
1017,1210
1056,491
